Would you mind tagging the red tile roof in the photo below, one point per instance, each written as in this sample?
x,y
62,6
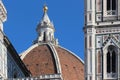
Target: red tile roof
x,y
40,61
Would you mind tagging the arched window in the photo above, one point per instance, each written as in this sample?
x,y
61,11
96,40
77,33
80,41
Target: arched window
x,y
111,60
44,37
111,4
108,63
111,7
50,36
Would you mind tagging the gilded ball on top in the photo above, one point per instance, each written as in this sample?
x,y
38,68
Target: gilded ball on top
x,y
45,8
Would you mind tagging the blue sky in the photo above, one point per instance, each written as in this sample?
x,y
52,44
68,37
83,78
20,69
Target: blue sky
x,y
67,16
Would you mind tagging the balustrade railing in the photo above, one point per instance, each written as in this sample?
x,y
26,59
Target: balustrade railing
x,y
111,75
111,12
42,77
111,15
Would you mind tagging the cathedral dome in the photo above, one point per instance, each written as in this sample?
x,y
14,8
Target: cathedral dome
x,y
48,60
45,59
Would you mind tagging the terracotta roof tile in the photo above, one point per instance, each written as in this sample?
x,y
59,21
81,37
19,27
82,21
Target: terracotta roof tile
x,y
40,61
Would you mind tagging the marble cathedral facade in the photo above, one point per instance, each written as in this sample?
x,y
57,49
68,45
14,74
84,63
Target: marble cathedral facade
x,y
10,63
102,39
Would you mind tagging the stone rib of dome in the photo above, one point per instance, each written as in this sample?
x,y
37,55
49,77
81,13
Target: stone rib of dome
x,y
72,66
40,61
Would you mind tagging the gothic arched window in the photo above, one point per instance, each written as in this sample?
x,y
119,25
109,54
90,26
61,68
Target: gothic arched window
x,y
108,62
111,60
111,4
111,7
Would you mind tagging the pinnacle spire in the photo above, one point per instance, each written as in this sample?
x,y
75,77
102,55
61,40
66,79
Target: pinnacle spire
x,y
45,18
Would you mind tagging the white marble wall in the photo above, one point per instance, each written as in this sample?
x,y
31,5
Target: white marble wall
x,y
8,66
13,68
